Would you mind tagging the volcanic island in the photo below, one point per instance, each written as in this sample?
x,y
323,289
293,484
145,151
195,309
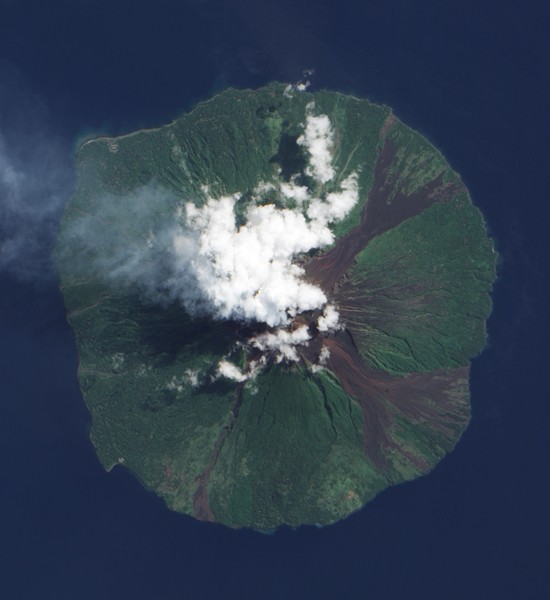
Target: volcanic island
x,y
275,300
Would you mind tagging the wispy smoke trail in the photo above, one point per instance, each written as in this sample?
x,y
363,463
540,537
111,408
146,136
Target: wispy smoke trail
x,y
35,182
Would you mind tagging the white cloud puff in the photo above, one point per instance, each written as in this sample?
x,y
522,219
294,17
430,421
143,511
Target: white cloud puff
x,y
318,140
230,371
336,205
282,342
299,193
324,355
329,320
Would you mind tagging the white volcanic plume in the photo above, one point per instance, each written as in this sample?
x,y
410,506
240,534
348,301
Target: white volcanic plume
x,y
246,270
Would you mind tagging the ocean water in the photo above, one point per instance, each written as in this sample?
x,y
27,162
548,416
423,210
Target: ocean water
x,y
470,76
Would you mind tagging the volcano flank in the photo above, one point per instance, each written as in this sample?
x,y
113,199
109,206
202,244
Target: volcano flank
x,y
275,299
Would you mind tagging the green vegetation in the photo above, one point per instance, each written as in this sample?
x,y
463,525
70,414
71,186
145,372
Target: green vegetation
x,y
416,299
295,454
293,445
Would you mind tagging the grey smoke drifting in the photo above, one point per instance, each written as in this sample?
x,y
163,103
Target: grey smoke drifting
x,y
201,257
35,182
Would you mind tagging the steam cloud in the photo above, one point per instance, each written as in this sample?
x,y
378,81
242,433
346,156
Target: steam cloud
x,y
318,139
199,256
247,272
213,266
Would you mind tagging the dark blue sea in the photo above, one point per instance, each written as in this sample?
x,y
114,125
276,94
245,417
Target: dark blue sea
x,y
472,76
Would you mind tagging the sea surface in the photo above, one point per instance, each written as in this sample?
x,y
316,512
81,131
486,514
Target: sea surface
x,y
472,76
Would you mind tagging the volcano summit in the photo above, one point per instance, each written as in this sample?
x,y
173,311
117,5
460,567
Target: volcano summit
x,y
275,300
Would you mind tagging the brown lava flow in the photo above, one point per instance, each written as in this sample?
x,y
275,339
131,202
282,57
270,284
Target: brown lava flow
x,y
329,268
435,402
201,505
